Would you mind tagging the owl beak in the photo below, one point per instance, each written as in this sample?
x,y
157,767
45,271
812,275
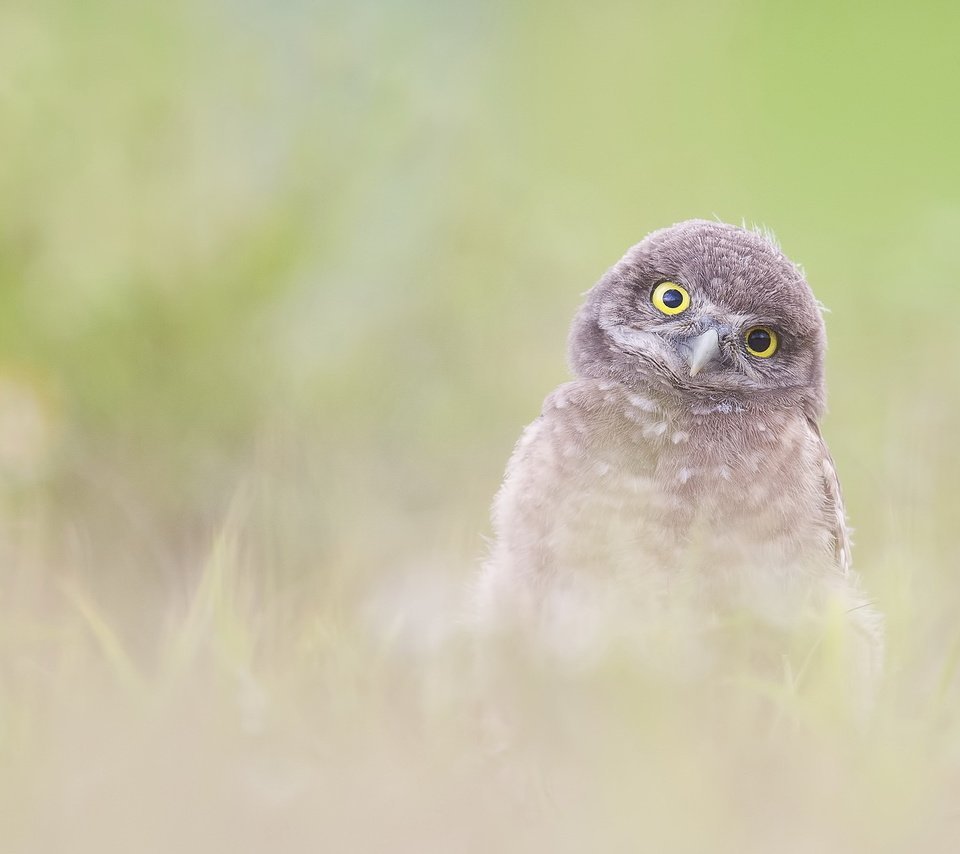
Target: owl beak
x,y
703,350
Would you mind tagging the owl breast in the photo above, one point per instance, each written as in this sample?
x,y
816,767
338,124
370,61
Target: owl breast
x,y
610,492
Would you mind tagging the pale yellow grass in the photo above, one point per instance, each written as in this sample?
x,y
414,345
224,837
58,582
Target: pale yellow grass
x,y
270,720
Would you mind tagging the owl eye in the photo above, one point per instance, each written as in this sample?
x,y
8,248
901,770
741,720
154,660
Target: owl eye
x,y
761,341
670,298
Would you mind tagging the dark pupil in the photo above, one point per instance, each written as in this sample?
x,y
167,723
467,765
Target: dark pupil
x,y
672,298
759,340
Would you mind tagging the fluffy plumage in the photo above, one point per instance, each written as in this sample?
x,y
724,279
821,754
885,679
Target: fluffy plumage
x,y
677,467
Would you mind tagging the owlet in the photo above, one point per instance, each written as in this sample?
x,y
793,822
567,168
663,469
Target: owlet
x,y
683,468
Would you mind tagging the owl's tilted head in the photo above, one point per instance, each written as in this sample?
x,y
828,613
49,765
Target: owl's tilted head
x,y
707,315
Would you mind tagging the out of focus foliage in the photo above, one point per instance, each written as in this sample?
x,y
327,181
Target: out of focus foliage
x,y
361,228
315,262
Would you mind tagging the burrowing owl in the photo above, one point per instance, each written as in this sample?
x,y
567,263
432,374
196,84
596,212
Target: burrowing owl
x,y
685,462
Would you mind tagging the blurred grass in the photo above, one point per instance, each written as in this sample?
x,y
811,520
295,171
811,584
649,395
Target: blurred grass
x,y
288,279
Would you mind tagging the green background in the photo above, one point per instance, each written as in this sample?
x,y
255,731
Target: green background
x,y
326,255
280,284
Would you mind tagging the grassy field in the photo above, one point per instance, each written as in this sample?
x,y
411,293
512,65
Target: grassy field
x,y
279,286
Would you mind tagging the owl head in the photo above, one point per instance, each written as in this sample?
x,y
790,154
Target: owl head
x,y
707,316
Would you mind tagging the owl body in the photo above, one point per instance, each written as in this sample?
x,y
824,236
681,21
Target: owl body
x,y
650,487
614,505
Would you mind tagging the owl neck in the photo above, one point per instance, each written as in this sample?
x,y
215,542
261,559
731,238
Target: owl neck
x,y
680,401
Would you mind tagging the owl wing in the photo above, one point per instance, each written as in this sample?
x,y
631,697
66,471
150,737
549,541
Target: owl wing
x,y
834,502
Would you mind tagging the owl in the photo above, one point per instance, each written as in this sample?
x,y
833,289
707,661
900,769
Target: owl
x,y
683,469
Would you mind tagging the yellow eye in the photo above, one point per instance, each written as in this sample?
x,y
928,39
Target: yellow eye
x,y
761,341
670,298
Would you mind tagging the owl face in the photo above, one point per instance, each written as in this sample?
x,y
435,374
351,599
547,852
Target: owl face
x,y
708,315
